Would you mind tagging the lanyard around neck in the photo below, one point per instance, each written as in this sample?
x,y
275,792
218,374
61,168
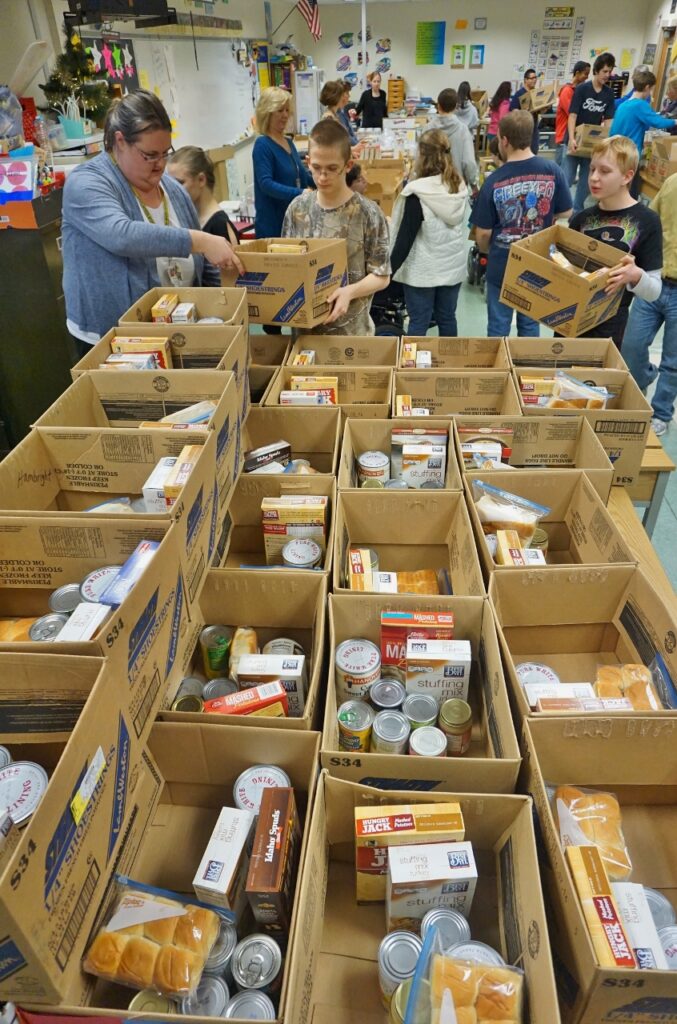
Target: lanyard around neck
x,y
146,212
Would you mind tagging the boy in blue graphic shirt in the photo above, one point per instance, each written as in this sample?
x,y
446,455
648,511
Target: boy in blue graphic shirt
x,y
527,194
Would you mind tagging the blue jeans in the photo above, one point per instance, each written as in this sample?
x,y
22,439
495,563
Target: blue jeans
x,y
582,165
425,303
561,151
499,319
643,324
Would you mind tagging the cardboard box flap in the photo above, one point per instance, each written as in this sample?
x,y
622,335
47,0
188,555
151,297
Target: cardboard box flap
x,y
347,350
42,695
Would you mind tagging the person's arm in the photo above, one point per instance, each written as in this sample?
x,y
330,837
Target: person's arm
x,y
469,170
264,166
514,101
360,104
562,206
376,263
483,216
412,218
211,275
483,239
565,98
342,297
623,99
649,285
572,120
385,104
651,119
610,110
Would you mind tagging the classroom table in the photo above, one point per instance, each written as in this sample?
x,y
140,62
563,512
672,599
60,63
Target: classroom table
x,y
649,489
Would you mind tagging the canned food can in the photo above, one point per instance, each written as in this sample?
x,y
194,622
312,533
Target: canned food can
x,y
357,666
218,688
534,672
285,647
355,721
477,952
209,1000
420,709
218,962
668,939
5,757
190,686
257,964
456,724
397,958
396,485
215,648
93,586
398,1005
150,1001
22,786
371,483
389,733
387,695
47,627
427,741
189,702
661,908
431,485
65,599
301,553
373,466
451,925
249,786
540,540
250,1006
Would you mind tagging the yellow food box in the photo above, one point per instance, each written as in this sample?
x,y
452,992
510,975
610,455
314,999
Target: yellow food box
x,y
181,470
161,313
508,544
600,911
293,515
159,347
537,385
315,384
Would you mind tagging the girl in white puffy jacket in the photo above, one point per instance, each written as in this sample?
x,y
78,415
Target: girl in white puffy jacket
x,y
429,226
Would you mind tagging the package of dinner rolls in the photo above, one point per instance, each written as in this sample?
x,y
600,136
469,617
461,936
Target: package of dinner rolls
x,y
152,938
500,510
588,817
633,682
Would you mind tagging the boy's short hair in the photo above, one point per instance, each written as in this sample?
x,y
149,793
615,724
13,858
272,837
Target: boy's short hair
x,y
447,100
621,149
642,78
604,60
529,72
353,174
580,65
330,133
518,128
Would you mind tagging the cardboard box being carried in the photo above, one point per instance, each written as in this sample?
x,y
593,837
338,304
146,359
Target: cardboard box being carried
x,y
453,393
481,100
363,392
460,353
314,434
384,185
287,288
663,159
559,297
347,350
361,436
587,136
539,99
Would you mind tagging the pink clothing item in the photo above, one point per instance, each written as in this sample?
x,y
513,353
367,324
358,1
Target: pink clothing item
x,y
496,115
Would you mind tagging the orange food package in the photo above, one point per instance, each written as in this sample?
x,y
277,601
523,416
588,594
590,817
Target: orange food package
x,y
480,992
590,818
633,682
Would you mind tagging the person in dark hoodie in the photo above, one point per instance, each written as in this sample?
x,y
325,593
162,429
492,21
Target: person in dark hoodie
x,y
460,139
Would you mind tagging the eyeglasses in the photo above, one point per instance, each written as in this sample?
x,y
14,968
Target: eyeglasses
x,y
154,158
330,172
530,78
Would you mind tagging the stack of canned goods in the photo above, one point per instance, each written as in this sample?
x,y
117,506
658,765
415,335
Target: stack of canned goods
x,y
62,603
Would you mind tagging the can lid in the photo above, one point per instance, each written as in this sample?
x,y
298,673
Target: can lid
x,y
661,908
66,598
256,961
401,998
451,925
5,757
398,954
301,551
48,627
223,948
22,787
428,741
249,786
357,656
420,707
373,458
93,586
188,702
210,999
219,687
250,1006
534,672
190,685
372,482
479,952
387,693
455,712
150,1001
355,714
391,726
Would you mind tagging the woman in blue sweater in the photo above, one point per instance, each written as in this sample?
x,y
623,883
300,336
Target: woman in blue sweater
x,y
279,175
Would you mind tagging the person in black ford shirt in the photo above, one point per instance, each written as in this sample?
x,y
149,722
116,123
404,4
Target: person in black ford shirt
x,y
592,103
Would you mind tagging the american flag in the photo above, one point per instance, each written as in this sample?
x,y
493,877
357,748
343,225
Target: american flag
x,y
310,13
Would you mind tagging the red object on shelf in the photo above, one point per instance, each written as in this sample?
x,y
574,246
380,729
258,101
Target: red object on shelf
x,y
30,112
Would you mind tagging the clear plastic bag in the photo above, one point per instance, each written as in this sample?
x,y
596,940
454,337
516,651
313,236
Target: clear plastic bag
x,y
570,393
500,510
633,682
588,817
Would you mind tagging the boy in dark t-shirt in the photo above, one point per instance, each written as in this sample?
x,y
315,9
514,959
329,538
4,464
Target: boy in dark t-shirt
x,y
619,220
592,103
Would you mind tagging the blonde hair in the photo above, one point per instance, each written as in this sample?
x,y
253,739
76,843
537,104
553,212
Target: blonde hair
x,y
672,84
622,149
272,100
434,157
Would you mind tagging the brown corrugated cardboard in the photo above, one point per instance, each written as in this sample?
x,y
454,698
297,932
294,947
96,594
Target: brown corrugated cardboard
x,y
575,619
539,99
481,100
552,442
409,530
622,428
361,436
564,353
535,285
314,434
492,762
632,758
268,349
384,185
289,289
461,353
333,973
587,136
580,530
261,380
42,695
450,393
363,392
347,350
230,304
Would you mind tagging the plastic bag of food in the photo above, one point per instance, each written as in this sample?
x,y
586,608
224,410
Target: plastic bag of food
x,y
152,938
570,393
588,817
500,510
634,682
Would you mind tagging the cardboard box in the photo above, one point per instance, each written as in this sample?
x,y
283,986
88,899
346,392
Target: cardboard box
x,y
384,185
261,380
347,350
541,98
492,762
268,349
580,530
230,304
622,428
361,436
481,100
559,298
409,531
364,393
579,618
333,973
663,159
587,136
314,434
454,393
565,353
289,289
612,760
548,442
461,353
42,695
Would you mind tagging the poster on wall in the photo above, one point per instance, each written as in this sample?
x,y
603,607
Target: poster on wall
x,y
116,58
457,56
627,58
344,64
533,48
553,56
649,54
430,42
383,46
384,65
476,56
578,40
345,40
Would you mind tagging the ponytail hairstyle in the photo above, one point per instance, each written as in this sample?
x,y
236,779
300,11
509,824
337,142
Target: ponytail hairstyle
x,y
134,114
434,157
463,95
196,161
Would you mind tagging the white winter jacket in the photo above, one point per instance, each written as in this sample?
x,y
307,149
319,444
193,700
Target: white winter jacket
x,y
438,256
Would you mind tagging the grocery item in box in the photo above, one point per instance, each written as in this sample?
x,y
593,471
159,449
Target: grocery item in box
x,y
278,452
317,396
480,443
159,348
426,876
478,991
500,510
587,817
130,573
220,878
323,384
306,357
581,705
509,551
130,361
402,436
600,911
184,313
538,691
293,515
409,349
273,861
198,412
398,627
424,464
83,623
632,682
440,668
161,313
639,926
154,487
268,700
181,471
290,670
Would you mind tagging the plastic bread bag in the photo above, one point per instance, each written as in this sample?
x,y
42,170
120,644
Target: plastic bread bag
x,y
446,990
633,682
570,393
589,817
662,681
500,510
152,938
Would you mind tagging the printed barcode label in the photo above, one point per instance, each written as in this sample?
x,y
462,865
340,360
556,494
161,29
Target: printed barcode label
x,y
87,786
142,714
74,925
516,298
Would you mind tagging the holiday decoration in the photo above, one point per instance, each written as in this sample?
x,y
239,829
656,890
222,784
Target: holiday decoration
x,y
76,76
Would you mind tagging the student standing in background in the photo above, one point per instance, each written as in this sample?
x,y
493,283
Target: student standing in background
x,y
529,84
636,115
498,108
373,105
193,169
460,139
669,108
466,111
580,74
591,103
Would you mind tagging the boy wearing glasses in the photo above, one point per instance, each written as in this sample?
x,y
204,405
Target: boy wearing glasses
x,y
592,103
530,79
335,211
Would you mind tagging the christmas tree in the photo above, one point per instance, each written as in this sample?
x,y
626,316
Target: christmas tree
x,y
75,75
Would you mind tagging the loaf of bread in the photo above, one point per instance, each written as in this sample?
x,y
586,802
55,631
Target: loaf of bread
x,y
633,682
245,641
586,817
481,993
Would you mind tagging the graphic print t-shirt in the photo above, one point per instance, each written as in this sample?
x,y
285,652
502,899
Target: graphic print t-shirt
x,y
520,198
591,107
635,229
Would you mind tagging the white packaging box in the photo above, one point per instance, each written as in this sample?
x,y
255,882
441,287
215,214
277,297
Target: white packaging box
x,y
424,463
154,487
222,874
534,691
440,668
184,313
427,876
84,623
256,669
639,926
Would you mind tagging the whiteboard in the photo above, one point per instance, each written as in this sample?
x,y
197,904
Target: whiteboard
x,y
211,105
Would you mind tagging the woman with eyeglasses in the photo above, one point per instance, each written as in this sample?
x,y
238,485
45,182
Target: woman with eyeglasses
x,y
127,226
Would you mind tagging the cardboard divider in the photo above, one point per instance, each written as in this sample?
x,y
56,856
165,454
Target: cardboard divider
x,y
565,353
346,350
574,619
450,393
634,760
461,353
579,528
363,392
230,304
622,428
384,184
42,695
261,380
409,530
268,349
361,436
314,434
492,762
274,604
540,443
334,974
